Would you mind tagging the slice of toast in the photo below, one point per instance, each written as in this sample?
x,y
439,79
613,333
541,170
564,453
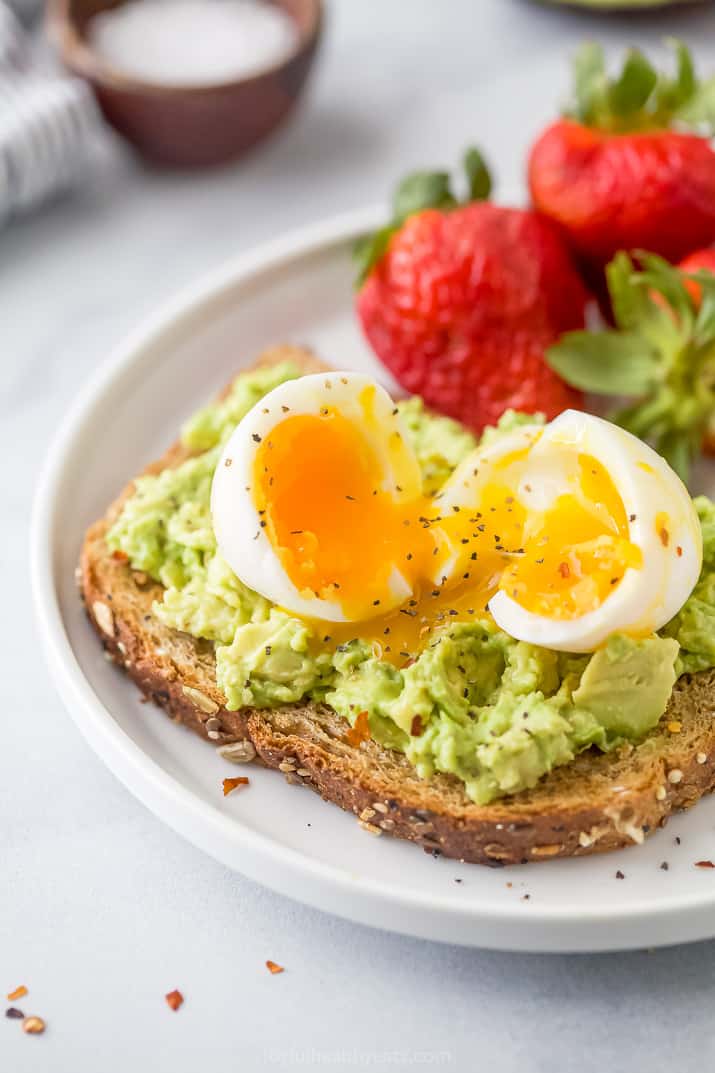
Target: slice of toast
x,y
598,802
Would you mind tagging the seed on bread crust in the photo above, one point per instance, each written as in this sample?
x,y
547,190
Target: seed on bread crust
x,y
103,617
675,776
238,752
202,702
549,850
369,827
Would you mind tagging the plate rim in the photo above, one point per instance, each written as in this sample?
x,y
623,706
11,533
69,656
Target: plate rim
x,y
317,883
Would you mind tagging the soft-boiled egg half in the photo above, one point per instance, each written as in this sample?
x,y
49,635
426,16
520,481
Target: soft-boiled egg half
x,y
565,534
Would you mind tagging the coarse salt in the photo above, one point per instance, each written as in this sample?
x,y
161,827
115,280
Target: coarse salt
x,y
193,42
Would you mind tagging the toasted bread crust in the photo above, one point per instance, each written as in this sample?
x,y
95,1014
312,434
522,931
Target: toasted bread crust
x,y
596,803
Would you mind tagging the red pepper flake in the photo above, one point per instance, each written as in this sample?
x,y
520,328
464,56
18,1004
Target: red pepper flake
x,y
416,727
19,992
679,551
704,864
174,999
120,556
664,536
273,968
564,570
360,732
229,785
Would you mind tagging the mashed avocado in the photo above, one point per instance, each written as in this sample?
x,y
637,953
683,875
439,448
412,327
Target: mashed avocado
x,y
497,713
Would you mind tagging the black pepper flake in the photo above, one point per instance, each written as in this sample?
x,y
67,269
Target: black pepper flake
x,y
296,532
465,692
408,556
457,880
256,438
268,650
263,524
615,580
631,517
664,866
228,462
285,409
386,630
473,556
677,840
452,611
375,603
407,611
351,498
619,874
456,509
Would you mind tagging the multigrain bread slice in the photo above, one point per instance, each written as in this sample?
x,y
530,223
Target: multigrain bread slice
x,y
597,803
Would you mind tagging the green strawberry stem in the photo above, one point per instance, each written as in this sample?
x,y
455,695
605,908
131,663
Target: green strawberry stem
x,y
639,97
416,192
662,351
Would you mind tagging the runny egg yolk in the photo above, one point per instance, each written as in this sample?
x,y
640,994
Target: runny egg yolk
x,y
340,532
574,553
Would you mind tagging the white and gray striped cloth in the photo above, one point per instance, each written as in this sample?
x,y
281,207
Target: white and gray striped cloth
x,y
49,122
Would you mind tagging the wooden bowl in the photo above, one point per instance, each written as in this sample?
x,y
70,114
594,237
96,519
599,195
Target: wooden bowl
x,y
188,126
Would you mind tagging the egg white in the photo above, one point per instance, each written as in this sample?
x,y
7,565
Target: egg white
x,y
241,539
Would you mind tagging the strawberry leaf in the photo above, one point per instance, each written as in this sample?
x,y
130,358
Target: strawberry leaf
x,y
633,87
662,351
639,97
607,363
628,301
478,178
368,250
422,190
590,81
697,112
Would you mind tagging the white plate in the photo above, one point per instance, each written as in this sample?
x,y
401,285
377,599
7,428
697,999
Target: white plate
x,y
300,290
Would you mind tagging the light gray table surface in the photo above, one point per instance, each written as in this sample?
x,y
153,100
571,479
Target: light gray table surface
x,y
102,908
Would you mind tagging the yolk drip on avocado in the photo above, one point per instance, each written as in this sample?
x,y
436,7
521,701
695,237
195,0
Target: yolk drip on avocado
x,y
340,533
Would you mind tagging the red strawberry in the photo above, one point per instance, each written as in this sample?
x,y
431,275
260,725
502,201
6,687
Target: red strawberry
x,y
621,172
460,302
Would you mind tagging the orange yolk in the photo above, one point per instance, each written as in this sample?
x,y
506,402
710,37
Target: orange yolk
x,y
339,533
575,553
